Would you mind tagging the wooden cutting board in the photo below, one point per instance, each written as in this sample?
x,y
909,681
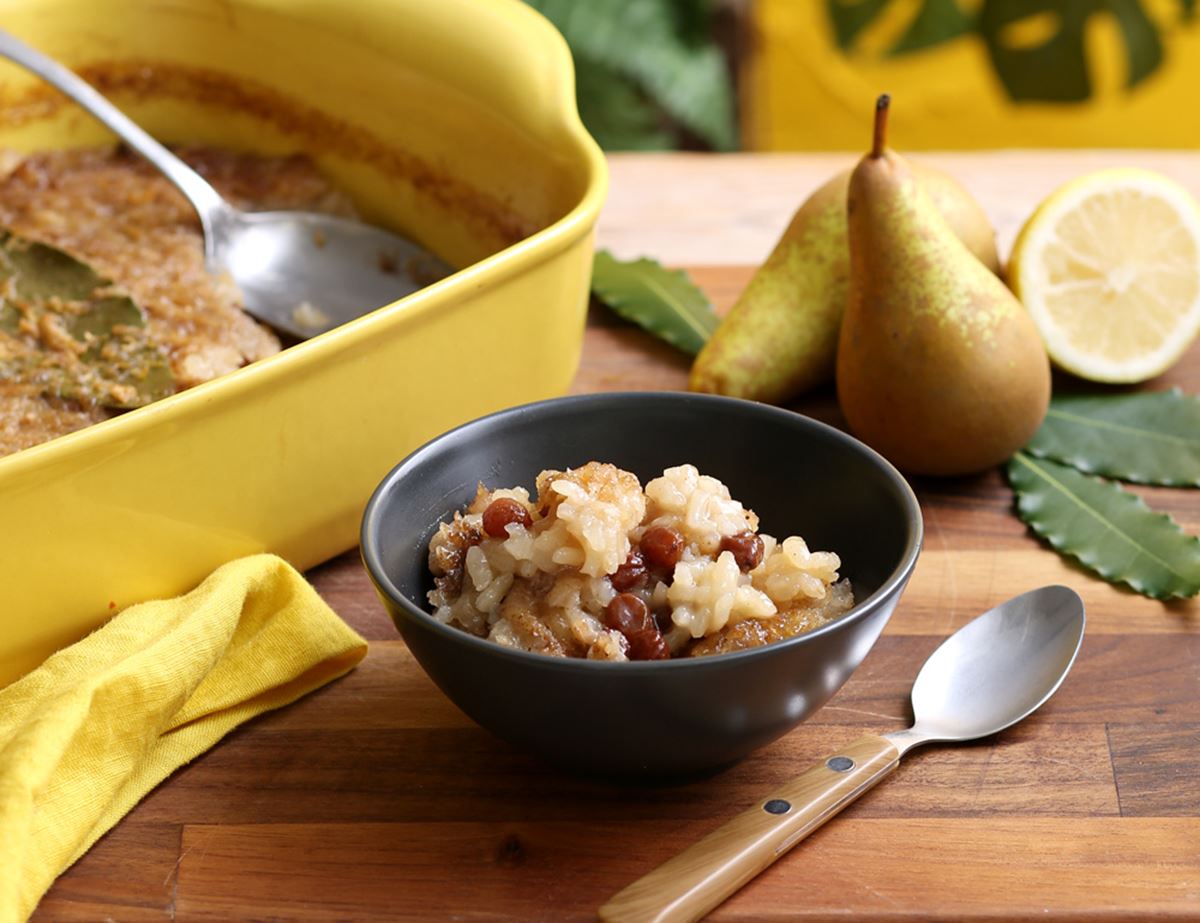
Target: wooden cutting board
x,y
375,798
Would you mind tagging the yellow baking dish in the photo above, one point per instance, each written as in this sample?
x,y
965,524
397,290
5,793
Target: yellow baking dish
x,y
451,121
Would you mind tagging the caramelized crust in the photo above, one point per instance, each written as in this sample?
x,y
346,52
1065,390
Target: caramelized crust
x,y
448,552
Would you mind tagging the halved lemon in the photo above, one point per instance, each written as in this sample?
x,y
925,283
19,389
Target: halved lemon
x,y
1109,269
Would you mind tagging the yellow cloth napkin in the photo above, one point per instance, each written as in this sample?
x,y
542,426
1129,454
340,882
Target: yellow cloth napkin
x,y
85,736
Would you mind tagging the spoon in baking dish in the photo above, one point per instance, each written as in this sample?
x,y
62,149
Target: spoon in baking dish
x,y
985,677
301,272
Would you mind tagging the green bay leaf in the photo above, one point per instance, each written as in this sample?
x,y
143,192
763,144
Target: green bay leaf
x,y
1148,438
41,271
663,301
116,364
1106,528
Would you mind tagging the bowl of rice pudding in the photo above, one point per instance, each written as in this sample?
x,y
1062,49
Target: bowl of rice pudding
x,y
641,583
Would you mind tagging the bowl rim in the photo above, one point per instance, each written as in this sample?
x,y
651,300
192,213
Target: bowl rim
x,y
894,584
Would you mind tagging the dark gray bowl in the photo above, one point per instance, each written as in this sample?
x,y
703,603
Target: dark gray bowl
x,y
651,718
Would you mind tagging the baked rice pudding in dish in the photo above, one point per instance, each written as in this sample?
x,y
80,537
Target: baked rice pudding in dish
x,y
110,209
596,566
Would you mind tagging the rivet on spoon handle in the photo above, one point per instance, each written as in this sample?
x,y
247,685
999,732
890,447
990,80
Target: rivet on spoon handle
x,y
692,883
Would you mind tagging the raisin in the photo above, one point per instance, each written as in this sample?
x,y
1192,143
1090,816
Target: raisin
x,y
631,617
648,645
501,512
662,547
630,575
747,549
628,615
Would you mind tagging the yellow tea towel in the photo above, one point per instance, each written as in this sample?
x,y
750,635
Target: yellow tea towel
x,y
86,735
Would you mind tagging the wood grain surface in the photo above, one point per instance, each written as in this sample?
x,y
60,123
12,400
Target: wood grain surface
x,y
376,799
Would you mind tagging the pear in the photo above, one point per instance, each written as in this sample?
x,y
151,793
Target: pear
x,y
939,367
780,338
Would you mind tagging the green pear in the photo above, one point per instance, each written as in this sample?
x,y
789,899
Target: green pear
x,y
780,338
939,367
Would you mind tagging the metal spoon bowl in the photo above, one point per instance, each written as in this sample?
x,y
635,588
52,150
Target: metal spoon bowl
x,y
987,676
997,669
301,272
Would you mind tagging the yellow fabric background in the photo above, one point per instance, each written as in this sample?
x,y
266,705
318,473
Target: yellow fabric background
x,y
85,736
801,92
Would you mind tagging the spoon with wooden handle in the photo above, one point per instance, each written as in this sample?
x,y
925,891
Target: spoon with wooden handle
x,y
985,677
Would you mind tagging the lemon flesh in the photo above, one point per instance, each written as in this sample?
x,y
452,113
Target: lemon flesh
x,y
1109,269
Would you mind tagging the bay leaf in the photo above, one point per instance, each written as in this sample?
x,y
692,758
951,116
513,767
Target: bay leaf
x,y
104,315
116,364
663,301
1106,528
41,271
1148,437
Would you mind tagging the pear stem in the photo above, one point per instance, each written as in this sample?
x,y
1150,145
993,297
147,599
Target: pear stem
x,y
881,114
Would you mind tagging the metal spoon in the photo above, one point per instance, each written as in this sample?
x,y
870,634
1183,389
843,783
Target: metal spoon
x,y
301,272
985,677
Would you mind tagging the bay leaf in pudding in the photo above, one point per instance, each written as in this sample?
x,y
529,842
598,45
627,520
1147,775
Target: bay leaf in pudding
x,y
68,332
